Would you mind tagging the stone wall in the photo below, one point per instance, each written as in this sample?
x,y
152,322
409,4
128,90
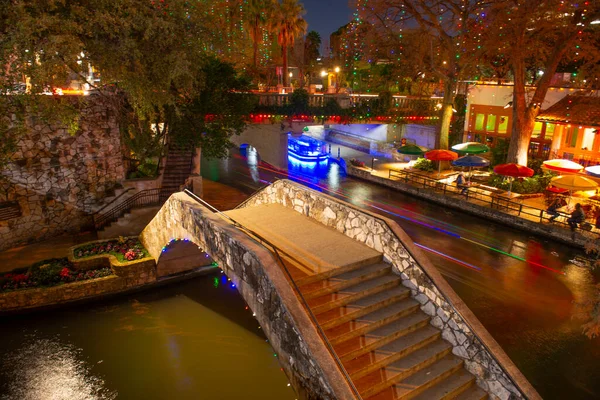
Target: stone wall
x,y
578,238
126,276
262,284
58,179
483,357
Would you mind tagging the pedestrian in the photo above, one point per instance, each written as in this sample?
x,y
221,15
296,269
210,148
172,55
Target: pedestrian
x,y
461,183
553,208
577,217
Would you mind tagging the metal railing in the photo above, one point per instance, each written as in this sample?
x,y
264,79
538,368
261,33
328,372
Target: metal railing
x,y
277,253
478,194
144,198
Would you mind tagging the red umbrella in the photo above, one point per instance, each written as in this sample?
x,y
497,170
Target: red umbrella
x,y
441,155
514,170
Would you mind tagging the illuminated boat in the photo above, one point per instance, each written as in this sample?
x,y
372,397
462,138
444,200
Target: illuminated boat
x,y
307,149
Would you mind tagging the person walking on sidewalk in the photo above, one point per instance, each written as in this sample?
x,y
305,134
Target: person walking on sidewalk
x,y
577,217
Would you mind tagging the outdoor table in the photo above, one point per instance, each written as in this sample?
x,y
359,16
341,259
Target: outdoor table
x,y
503,199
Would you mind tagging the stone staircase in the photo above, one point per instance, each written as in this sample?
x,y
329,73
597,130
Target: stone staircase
x,y
177,169
383,339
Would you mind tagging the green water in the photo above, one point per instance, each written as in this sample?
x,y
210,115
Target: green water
x,y
191,340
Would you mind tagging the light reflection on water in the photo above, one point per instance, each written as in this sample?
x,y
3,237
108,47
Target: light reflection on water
x,y
50,369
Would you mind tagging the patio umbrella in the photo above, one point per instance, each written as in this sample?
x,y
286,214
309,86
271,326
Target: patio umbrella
x,y
471,161
471,148
513,170
412,150
594,171
441,155
573,183
561,165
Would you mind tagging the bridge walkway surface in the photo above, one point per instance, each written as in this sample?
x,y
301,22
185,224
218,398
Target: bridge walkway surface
x,y
383,339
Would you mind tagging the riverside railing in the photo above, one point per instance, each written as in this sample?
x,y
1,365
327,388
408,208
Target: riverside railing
x,y
277,253
144,198
478,194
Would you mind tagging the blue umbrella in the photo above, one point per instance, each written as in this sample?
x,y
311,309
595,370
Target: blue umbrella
x,y
471,161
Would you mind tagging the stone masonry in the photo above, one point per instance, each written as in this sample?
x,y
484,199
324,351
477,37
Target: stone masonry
x,y
484,358
261,282
58,179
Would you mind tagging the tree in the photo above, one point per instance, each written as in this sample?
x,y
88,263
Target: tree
x,y
312,47
289,24
538,36
154,54
446,28
258,12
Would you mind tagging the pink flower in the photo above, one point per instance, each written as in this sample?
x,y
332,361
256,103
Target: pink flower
x,y
20,278
64,273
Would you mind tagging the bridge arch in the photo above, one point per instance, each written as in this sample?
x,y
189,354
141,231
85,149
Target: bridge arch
x,y
262,284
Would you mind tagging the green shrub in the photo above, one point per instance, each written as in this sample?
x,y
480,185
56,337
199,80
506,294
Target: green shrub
x,y
535,184
47,272
423,164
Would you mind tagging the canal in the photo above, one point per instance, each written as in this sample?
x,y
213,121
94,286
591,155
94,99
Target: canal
x,y
523,288
191,340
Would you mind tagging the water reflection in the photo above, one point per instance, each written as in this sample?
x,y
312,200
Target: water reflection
x,y
50,369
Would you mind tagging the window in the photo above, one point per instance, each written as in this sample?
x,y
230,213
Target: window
x,y
490,126
573,141
537,130
549,131
534,149
479,118
503,125
588,139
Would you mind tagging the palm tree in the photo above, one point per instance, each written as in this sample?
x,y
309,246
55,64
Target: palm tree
x,y
258,12
287,21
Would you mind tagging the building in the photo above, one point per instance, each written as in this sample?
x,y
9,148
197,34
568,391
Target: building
x,y
489,117
575,121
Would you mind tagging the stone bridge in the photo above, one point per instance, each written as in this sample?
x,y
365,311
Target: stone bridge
x,y
317,369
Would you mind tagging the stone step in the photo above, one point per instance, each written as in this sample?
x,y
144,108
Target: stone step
x,y
451,387
348,295
473,393
363,344
372,321
421,342
417,383
338,271
402,368
361,307
345,280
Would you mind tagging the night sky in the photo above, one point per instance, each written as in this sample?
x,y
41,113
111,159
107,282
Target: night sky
x,y
326,16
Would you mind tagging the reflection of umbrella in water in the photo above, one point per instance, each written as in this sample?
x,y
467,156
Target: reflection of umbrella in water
x,y
573,183
471,148
513,170
441,155
561,165
471,161
412,150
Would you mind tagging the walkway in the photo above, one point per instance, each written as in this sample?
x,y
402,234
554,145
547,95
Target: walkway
x,y
383,339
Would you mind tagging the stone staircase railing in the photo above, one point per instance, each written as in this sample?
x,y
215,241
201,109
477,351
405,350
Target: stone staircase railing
x,y
483,357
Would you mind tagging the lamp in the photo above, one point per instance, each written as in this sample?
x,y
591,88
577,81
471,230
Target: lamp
x,y
373,162
323,73
508,105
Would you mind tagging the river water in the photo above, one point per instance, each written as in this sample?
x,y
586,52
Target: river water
x,y
524,289
190,340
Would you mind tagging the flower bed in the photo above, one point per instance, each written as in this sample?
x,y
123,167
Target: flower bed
x,y
47,273
357,163
124,249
